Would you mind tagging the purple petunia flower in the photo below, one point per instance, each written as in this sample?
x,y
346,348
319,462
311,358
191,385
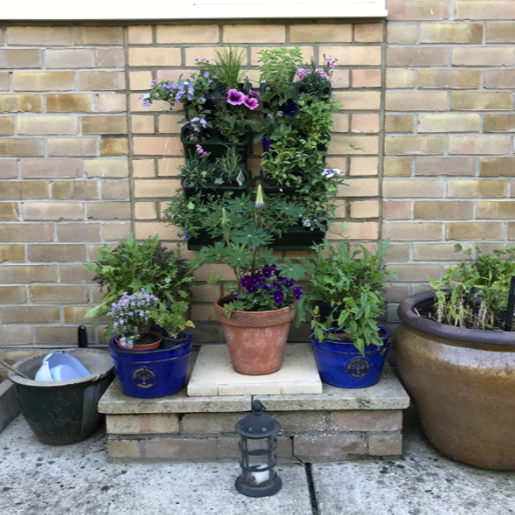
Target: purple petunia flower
x,y
290,109
254,94
251,103
235,97
267,143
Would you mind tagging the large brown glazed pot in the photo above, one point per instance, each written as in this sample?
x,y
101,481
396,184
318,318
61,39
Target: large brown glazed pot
x,y
256,339
463,383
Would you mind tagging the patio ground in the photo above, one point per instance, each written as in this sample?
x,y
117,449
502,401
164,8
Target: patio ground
x,y
39,480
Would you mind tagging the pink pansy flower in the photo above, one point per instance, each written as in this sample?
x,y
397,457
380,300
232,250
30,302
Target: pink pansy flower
x,y
251,103
235,97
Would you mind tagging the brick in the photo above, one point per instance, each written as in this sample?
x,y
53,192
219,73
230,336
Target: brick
x,y
43,168
407,272
104,125
448,123
71,146
70,58
146,167
142,424
413,231
156,188
340,78
98,35
479,144
29,314
115,190
140,35
365,123
445,166
480,101
181,448
116,232
449,79
500,33
490,209
468,231
403,10
43,81
477,188
499,123
52,124
6,125
123,449
76,315
59,335
137,105
399,123
342,144
321,33
205,293
362,100
81,190
4,81
484,10
9,211
56,252
145,229
53,211
499,79
414,145
168,123
16,59
397,167
145,211
251,33
360,188
483,56
110,57
416,56
114,147
367,78
416,101
435,252
449,210
26,274
329,447
22,147
12,295
203,312
364,209
12,253
497,166
59,294
355,231
183,34
109,210
210,422
106,167
385,445
396,210
366,420
409,188
401,34
140,80
35,36
451,33
353,55
368,32
101,81
14,190
111,103
8,169
360,166
21,103
154,56
157,146
78,232
69,103
75,274
400,79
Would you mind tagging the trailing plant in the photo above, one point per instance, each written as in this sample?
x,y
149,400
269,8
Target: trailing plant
x,y
351,284
474,293
173,321
130,317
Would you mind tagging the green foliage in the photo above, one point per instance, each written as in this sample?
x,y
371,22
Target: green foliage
x,y
475,292
230,60
351,283
196,171
230,167
316,80
231,121
316,118
173,320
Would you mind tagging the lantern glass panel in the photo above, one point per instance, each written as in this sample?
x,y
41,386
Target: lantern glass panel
x,y
260,460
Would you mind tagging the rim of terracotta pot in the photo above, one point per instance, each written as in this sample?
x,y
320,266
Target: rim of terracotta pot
x,y
144,346
255,318
449,332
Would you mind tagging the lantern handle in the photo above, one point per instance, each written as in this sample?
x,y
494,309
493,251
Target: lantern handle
x,y
257,407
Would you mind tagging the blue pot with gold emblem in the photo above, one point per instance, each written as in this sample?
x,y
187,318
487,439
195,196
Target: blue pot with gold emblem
x,y
341,364
152,373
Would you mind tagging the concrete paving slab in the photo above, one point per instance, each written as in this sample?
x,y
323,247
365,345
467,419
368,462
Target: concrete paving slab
x,y
36,479
422,483
213,374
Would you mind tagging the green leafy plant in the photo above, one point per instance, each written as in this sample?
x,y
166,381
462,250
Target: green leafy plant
x,y
230,167
315,119
231,121
229,62
350,283
173,321
196,171
474,293
316,80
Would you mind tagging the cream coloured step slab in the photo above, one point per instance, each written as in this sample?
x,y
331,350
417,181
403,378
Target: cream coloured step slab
x,y
213,375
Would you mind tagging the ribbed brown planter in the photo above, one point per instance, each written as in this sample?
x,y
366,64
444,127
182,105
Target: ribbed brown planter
x,y
463,384
256,339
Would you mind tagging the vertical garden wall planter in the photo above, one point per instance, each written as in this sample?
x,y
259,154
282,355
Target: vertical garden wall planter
x,y
298,238
340,363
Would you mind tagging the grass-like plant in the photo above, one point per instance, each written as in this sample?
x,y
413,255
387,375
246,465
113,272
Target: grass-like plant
x,y
229,63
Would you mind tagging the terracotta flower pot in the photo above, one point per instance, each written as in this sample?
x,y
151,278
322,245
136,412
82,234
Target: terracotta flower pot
x,y
144,346
256,339
463,384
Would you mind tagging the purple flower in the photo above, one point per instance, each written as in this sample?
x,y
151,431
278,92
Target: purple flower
x,y
251,103
206,75
246,281
251,289
235,97
254,94
302,74
267,143
278,297
290,109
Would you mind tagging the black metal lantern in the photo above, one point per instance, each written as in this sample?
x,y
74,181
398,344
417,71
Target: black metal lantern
x,y
258,447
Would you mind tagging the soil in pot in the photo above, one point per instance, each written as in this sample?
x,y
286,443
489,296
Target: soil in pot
x,y
256,339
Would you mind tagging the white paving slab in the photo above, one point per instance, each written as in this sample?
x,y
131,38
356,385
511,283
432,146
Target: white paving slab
x,y
213,374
